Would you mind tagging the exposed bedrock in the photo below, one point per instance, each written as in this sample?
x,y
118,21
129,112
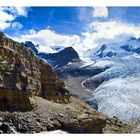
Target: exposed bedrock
x,y
23,76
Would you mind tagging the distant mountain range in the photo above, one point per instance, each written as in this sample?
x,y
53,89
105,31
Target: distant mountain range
x,y
59,59
116,50
115,84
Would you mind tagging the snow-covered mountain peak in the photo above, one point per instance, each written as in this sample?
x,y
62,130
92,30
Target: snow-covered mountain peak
x,y
115,50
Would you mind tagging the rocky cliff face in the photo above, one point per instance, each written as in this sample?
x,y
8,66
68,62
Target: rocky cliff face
x,y
30,45
23,76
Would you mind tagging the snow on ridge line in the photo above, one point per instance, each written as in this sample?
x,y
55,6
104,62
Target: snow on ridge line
x,y
115,50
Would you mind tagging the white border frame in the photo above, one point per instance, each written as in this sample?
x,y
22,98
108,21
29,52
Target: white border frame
x,y
69,2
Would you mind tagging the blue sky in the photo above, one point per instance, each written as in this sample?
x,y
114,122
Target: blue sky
x,y
67,19
82,27
61,19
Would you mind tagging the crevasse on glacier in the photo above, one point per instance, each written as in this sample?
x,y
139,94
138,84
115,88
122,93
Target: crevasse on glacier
x,y
119,94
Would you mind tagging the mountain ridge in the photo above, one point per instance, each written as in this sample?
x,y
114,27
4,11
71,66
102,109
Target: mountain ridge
x,y
58,59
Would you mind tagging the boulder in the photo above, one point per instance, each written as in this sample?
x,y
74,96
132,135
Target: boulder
x,y
6,128
85,124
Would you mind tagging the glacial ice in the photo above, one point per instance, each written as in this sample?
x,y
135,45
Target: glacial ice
x,y
119,94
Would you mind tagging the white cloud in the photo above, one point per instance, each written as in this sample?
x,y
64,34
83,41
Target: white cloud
x,y
4,19
22,11
109,31
5,16
100,33
9,14
4,25
16,25
47,38
32,31
18,11
100,12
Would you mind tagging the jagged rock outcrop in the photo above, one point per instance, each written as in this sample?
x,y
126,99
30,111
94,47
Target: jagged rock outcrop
x,y
85,123
23,76
30,45
52,87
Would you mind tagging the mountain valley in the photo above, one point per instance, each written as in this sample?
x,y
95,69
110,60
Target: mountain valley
x,y
42,92
35,100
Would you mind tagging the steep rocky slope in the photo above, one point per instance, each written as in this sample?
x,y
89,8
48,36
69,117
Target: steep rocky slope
x,y
30,45
23,76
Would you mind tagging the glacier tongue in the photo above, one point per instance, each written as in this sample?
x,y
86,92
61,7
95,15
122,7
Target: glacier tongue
x,y
119,97
119,94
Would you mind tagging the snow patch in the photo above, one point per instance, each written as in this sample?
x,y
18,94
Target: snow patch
x,y
55,132
87,62
103,63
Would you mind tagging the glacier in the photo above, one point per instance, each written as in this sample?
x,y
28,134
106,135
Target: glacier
x,y
119,93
